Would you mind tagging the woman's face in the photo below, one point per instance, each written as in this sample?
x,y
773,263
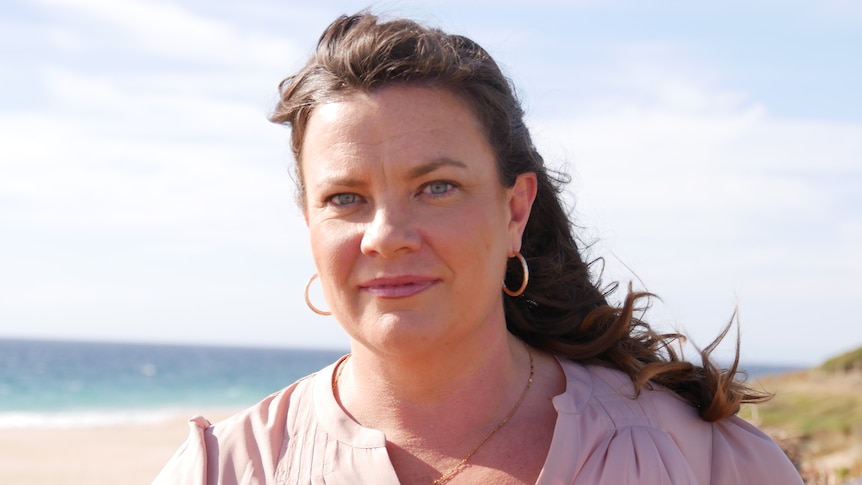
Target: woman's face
x,y
410,227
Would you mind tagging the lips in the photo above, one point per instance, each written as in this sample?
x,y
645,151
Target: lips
x,y
398,286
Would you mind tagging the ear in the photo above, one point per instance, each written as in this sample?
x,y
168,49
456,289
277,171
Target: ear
x,y
521,196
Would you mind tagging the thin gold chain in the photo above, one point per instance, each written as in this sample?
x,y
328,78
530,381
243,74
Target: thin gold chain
x,y
457,468
338,368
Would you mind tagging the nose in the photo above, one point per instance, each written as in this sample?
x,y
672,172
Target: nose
x,y
392,231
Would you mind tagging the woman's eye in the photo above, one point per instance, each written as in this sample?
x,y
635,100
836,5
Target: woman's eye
x,y
343,199
438,188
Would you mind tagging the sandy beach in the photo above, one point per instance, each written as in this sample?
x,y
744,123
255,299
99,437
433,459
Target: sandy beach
x,y
98,413
128,454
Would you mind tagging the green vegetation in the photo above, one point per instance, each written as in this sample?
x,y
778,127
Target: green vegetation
x,y
816,416
798,411
845,362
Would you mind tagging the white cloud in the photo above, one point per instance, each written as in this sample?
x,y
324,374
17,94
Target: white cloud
x,y
713,201
170,31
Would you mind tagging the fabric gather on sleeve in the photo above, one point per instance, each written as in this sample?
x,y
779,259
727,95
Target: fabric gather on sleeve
x,y
606,435
188,464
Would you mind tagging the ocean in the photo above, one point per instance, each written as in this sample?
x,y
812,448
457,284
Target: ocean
x,y
63,384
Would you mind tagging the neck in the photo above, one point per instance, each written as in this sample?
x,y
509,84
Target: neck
x,y
387,392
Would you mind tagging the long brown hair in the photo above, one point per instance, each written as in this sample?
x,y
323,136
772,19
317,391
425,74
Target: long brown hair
x,y
563,311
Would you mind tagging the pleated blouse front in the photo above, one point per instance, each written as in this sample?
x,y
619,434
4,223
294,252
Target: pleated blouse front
x,y
301,435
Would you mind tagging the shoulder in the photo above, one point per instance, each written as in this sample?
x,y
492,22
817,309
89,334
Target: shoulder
x,y
660,436
609,396
261,432
244,448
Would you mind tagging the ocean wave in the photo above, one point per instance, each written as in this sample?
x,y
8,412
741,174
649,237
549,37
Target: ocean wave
x,y
86,419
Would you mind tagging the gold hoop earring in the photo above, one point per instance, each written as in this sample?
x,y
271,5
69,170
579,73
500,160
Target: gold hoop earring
x,y
526,279
308,300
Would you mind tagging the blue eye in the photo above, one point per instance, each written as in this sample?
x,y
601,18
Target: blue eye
x,y
343,199
438,188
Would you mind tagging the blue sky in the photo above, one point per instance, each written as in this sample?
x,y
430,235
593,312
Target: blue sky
x,y
715,150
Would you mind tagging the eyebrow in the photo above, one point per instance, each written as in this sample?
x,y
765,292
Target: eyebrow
x,y
433,165
413,173
344,181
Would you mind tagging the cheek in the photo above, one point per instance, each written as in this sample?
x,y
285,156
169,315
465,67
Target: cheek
x,y
472,242
480,228
334,249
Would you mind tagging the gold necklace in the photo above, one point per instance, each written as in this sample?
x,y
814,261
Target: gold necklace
x,y
450,474
338,368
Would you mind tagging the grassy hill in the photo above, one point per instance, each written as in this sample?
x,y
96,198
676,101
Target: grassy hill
x,y
850,361
816,416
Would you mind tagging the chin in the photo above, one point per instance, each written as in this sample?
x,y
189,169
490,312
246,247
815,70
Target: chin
x,y
397,333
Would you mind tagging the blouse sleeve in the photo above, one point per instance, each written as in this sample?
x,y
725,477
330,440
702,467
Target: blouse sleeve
x,y
738,453
604,436
242,449
741,453
189,463
637,454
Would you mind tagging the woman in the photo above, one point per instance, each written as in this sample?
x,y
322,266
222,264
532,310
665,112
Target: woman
x,y
422,192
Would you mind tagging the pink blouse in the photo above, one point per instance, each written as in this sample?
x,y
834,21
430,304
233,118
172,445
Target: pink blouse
x,y
301,435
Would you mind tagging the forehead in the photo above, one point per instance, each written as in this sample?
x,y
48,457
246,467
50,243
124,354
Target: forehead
x,y
398,119
400,106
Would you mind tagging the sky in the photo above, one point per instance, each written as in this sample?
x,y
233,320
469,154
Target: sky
x,y
715,150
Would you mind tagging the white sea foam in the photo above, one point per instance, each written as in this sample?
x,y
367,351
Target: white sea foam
x,y
85,419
